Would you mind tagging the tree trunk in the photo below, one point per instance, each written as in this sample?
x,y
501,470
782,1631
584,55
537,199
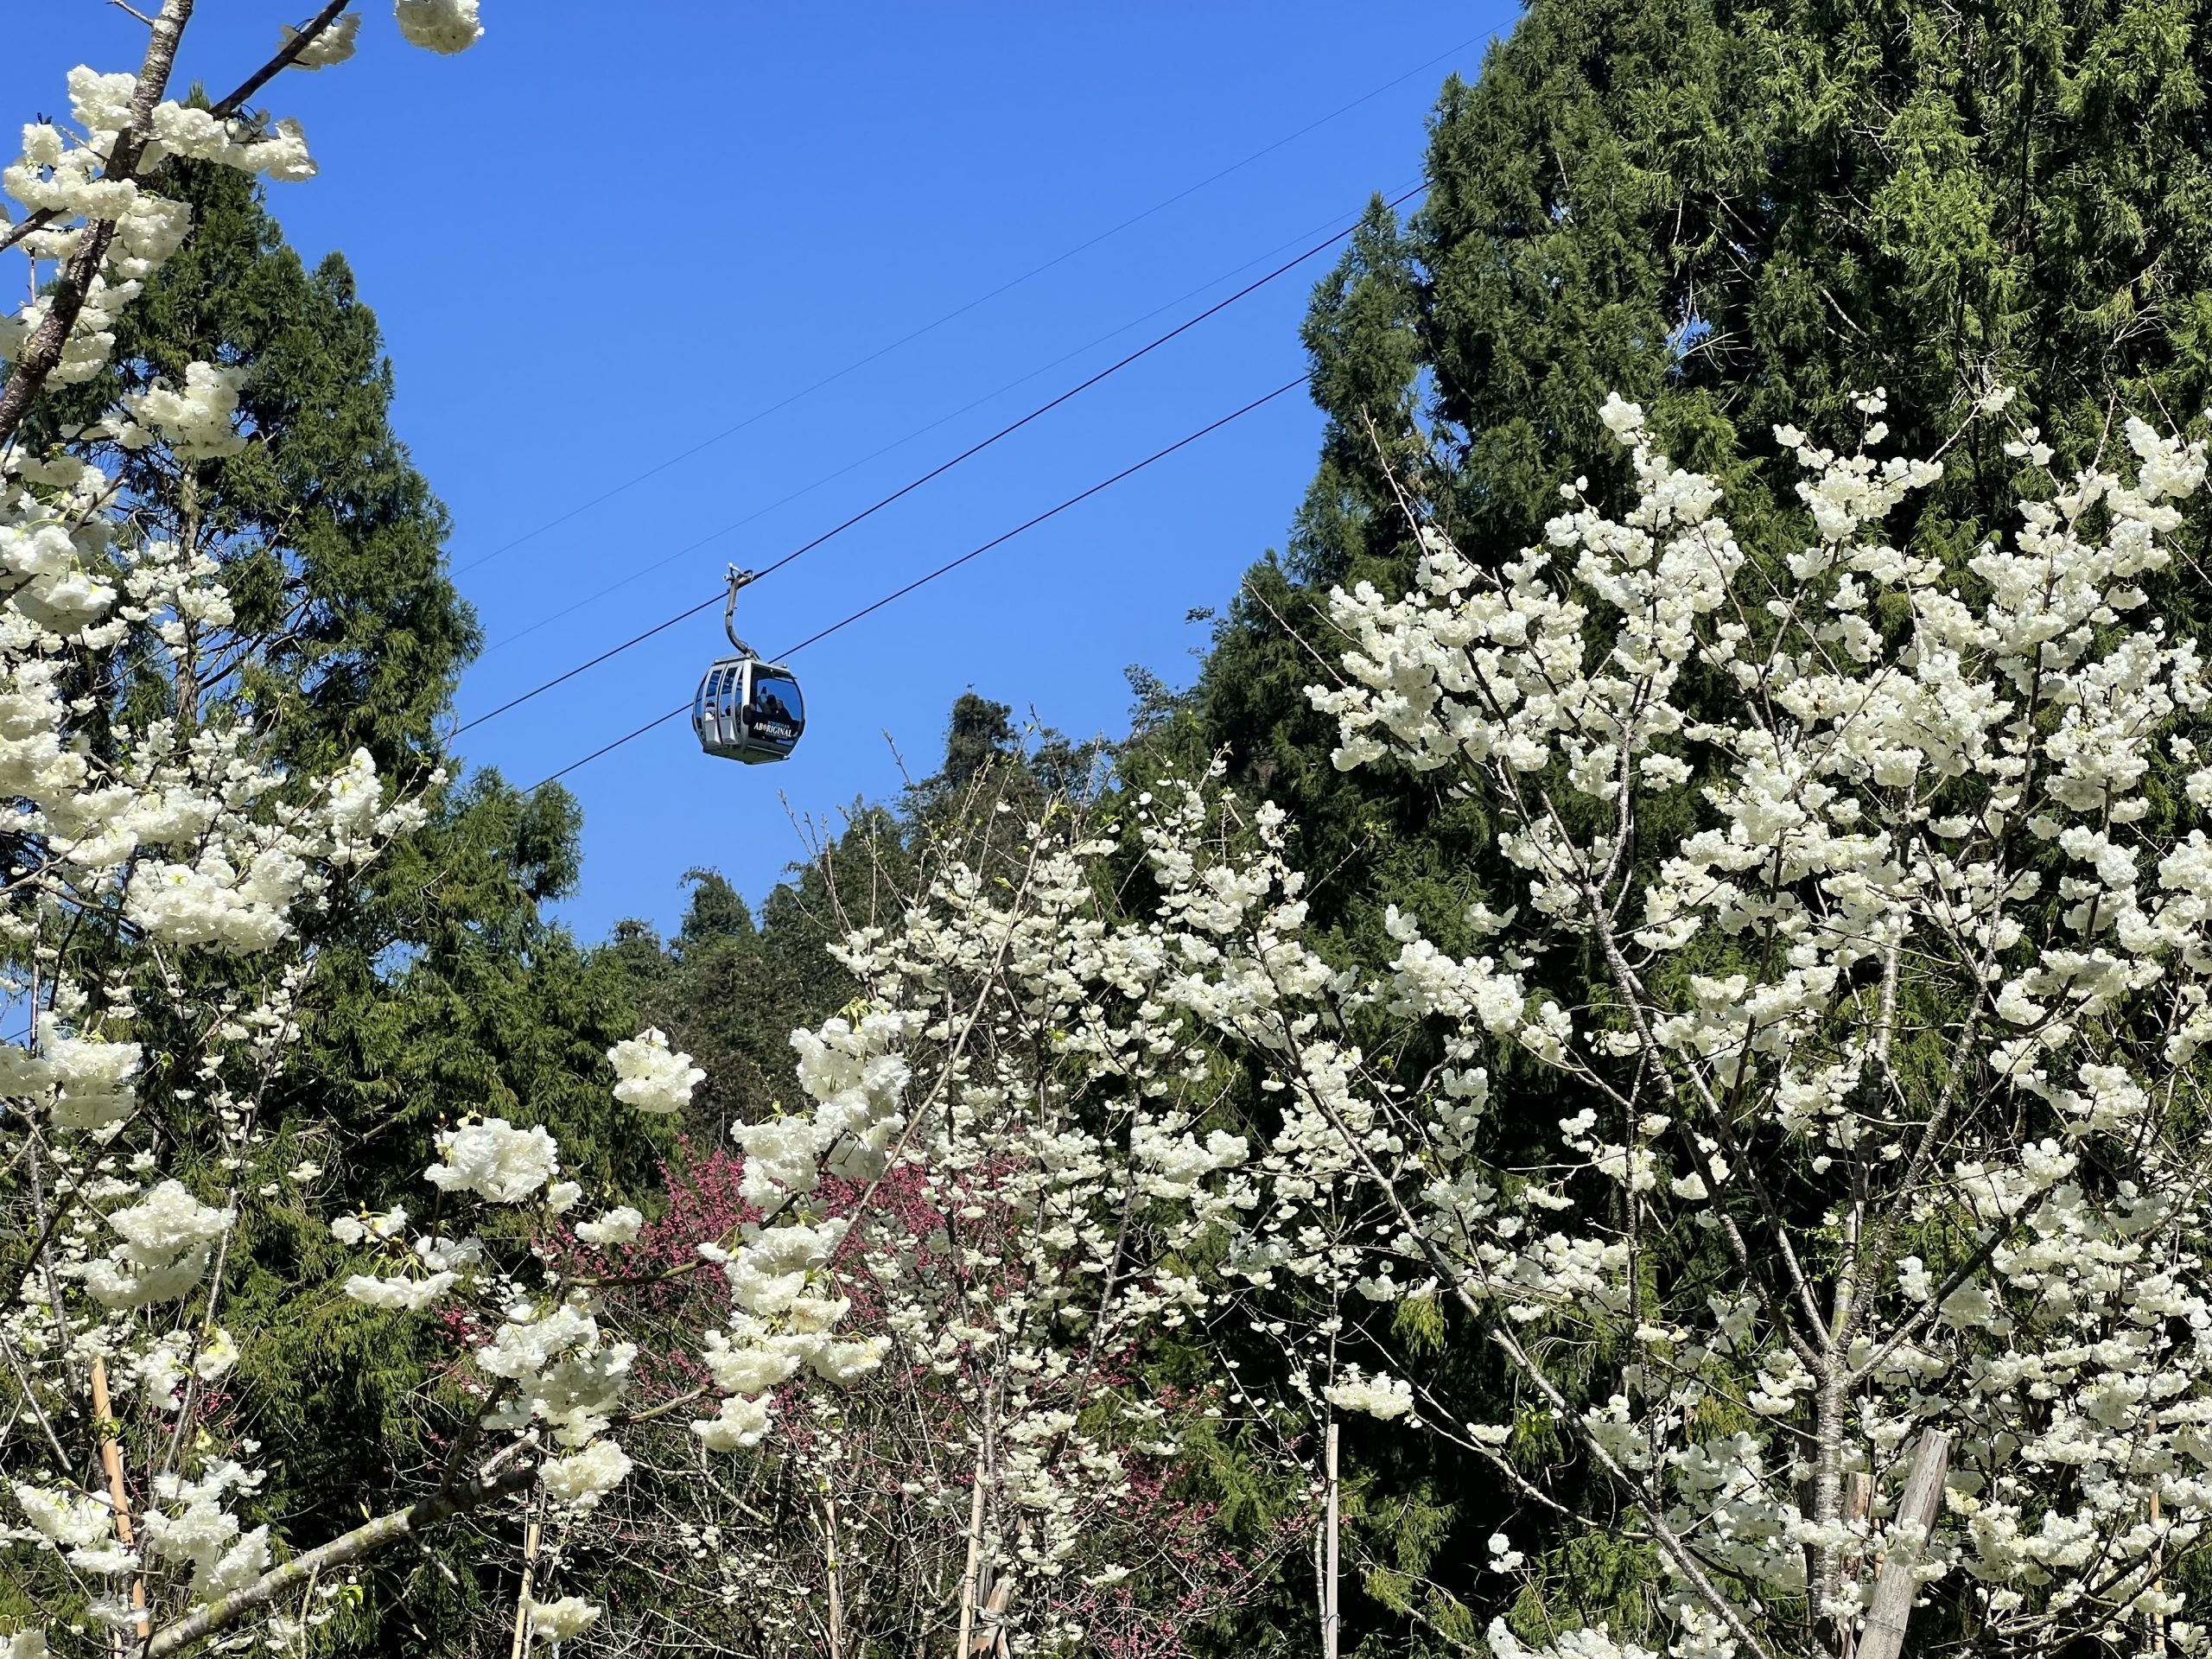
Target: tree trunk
x,y
1830,1406
2156,1633
1858,1503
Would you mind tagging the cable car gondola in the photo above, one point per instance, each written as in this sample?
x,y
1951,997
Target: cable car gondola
x,y
747,709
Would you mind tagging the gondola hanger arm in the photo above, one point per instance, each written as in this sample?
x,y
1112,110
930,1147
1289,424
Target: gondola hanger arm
x,y
737,579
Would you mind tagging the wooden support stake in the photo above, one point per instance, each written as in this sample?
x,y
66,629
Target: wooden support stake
x,y
975,1556
1895,1586
836,1569
111,1461
529,1539
2157,1621
1329,1613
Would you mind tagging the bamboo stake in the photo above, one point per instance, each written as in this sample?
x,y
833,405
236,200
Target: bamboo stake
x,y
111,1461
529,1538
837,1597
975,1561
2157,1621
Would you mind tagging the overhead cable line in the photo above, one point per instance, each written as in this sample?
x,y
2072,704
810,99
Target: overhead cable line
x,y
905,490
1052,512
644,570
858,364
946,569
604,656
1080,387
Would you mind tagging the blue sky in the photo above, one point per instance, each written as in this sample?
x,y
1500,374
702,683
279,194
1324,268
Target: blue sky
x,y
611,232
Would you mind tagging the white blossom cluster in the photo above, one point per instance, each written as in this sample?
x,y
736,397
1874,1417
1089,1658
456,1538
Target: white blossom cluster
x,y
196,423
1382,1396
446,26
1904,1027
336,44
546,1372
62,175
652,1076
65,180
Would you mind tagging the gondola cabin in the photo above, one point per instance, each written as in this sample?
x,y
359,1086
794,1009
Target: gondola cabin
x,y
746,709
749,710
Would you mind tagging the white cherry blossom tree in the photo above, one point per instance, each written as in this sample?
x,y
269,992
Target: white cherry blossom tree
x,y
1860,912
156,874
993,1200
1857,913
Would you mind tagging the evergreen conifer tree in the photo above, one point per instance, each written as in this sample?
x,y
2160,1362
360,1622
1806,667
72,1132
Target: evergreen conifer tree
x,y
349,631
1739,213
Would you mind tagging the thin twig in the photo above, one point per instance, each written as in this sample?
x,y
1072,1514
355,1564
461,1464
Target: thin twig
x,y
380,1533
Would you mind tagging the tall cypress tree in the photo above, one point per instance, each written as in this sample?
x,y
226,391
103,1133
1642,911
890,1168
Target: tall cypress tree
x,y
348,631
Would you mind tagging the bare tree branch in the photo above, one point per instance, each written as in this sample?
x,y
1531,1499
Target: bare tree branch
x,y
364,1540
14,233
308,35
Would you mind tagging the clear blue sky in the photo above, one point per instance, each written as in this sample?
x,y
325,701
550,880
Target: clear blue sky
x,y
612,231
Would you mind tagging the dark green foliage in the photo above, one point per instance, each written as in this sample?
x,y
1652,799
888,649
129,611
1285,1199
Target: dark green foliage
x,y
336,538
348,631
451,993
716,911
989,757
980,733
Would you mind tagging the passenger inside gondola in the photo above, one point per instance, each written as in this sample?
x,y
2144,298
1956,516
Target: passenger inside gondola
x,y
777,700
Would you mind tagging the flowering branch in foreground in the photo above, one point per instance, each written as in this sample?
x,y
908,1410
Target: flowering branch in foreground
x,y
1862,903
